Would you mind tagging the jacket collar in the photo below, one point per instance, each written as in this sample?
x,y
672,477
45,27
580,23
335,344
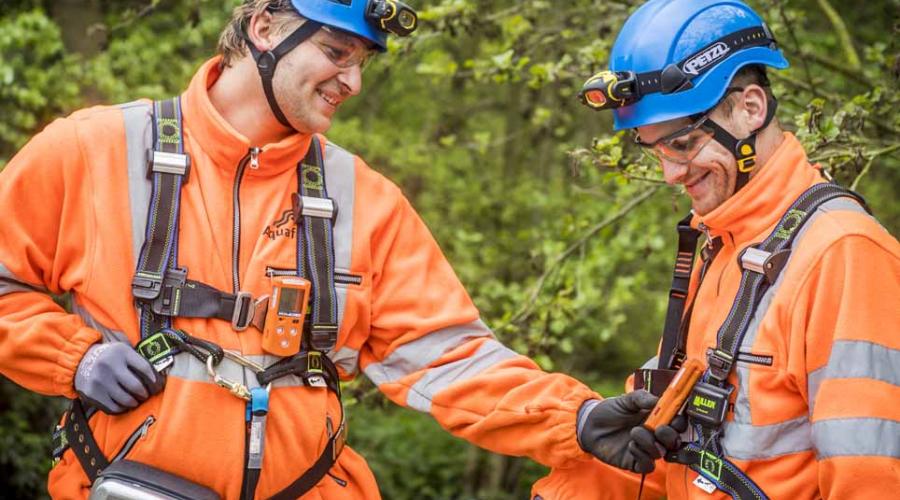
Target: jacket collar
x,y
756,208
224,145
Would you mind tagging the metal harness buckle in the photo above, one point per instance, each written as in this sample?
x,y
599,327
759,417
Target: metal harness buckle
x,y
244,310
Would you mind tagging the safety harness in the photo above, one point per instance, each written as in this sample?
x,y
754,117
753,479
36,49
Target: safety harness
x,y
708,404
162,291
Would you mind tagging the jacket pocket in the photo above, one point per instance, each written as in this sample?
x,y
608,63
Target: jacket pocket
x,y
135,436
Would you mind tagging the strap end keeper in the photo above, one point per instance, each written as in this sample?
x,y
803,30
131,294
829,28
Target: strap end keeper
x,y
310,206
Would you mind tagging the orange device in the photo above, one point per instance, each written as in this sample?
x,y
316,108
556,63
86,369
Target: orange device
x,y
285,315
675,395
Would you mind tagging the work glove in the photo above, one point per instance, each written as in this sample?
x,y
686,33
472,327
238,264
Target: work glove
x,y
654,445
604,429
115,378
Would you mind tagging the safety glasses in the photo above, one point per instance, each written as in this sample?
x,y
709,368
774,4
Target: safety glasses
x,y
684,144
342,49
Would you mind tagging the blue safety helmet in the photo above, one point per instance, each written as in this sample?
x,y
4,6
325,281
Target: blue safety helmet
x,y
693,48
346,15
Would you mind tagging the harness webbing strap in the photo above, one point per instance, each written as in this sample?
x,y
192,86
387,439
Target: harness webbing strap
x,y
722,472
681,280
754,284
160,248
82,442
315,242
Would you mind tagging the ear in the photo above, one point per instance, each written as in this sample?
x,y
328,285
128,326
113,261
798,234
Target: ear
x,y
751,107
260,31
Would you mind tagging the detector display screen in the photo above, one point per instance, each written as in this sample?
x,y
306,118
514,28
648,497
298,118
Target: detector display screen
x,y
289,304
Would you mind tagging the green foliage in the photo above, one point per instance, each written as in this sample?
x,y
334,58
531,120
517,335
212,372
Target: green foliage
x,y
560,229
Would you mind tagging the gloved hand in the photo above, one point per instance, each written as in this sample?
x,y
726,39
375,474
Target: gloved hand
x,y
654,445
604,429
115,378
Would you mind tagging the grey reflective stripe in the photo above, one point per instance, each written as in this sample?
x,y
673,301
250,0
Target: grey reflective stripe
x,y
854,437
441,377
187,367
856,359
346,359
340,182
416,355
138,138
9,283
109,335
743,441
742,412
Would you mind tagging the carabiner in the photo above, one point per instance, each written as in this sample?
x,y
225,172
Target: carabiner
x,y
235,388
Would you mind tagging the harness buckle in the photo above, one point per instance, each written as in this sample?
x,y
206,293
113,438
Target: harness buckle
x,y
720,363
159,162
244,310
157,350
768,264
146,286
323,336
168,301
311,206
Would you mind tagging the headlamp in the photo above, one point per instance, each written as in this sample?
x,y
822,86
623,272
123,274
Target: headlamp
x,y
392,16
609,90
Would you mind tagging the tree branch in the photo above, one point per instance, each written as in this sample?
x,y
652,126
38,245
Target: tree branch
x,y
842,32
528,308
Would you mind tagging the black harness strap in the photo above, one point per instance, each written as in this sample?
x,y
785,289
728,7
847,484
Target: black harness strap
x,y
315,241
721,471
670,357
81,440
168,166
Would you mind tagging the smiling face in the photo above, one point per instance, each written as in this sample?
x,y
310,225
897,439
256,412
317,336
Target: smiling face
x,y
709,177
310,86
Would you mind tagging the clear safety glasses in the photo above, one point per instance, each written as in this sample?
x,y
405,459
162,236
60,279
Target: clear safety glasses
x,y
684,144
342,49
681,146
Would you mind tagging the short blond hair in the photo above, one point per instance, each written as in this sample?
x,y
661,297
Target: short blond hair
x,y
231,42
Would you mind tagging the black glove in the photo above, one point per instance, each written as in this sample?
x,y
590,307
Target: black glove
x,y
604,429
115,378
654,445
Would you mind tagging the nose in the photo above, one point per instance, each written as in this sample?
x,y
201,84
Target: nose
x,y
674,173
351,80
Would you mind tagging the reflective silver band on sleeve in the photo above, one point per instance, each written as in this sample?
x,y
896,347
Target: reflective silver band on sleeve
x,y
9,283
856,359
855,437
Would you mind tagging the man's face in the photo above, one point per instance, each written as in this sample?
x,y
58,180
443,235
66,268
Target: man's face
x,y
310,85
709,178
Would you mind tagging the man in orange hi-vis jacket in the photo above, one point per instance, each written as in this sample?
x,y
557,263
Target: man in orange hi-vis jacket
x,y
229,266
794,306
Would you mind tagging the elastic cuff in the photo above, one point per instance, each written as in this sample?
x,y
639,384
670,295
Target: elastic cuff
x,y
583,413
70,357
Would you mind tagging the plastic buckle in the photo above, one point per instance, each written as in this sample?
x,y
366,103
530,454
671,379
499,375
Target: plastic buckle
x,y
311,206
314,363
720,363
157,350
168,301
244,310
323,336
768,264
708,404
146,286
159,162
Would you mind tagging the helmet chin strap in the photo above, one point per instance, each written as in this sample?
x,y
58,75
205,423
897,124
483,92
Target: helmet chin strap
x,y
744,150
268,60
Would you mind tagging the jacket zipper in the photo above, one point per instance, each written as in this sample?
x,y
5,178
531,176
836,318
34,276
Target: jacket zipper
x,y
253,158
749,357
139,433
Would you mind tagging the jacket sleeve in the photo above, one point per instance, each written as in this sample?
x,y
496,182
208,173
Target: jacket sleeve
x,y
429,350
44,249
848,308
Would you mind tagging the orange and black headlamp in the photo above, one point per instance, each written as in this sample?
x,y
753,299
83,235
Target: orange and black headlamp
x,y
609,90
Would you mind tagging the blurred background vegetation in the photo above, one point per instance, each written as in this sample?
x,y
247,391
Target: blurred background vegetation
x,y
559,228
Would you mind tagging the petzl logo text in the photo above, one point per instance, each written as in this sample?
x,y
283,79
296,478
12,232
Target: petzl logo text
x,y
696,64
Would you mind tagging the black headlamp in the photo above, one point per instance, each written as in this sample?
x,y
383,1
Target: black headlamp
x,y
610,90
392,16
